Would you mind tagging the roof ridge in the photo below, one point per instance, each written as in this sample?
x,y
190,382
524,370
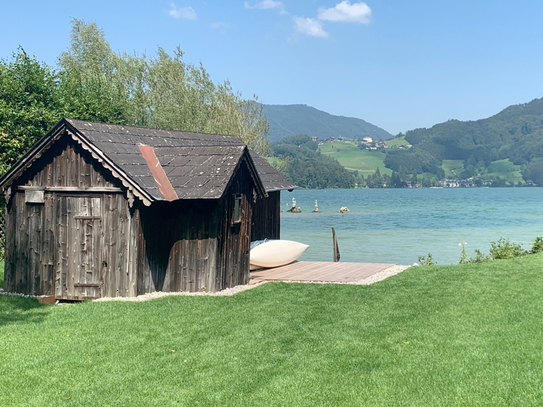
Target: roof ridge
x,y
152,128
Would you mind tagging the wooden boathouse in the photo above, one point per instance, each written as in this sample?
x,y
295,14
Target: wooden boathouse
x,y
96,210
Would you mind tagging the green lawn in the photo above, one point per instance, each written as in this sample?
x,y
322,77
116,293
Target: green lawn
x,y
453,165
430,336
397,142
353,158
505,169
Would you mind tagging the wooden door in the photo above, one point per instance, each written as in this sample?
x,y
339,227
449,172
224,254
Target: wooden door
x,y
79,247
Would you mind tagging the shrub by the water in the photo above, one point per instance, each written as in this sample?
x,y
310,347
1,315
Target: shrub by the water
x,y
537,245
504,249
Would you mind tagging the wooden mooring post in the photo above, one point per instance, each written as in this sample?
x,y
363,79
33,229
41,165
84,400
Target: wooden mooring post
x,y
336,248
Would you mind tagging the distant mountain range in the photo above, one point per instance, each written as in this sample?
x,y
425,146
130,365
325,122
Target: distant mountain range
x,y
289,120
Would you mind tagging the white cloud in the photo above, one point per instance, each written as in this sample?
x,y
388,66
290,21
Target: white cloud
x,y
266,5
310,26
186,13
345,11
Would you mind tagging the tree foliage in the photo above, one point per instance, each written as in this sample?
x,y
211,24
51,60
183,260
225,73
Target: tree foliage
x,y
308,168
91,83
534,171
516,133
413,161
28,105
95,83
162,92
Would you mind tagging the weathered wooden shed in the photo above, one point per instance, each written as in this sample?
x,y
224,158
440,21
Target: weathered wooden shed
x,y
266,222
97,210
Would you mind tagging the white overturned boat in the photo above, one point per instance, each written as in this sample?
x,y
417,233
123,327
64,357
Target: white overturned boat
x,y
275,253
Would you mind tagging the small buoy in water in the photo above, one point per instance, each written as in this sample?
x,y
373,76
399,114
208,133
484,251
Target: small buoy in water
x,y
294,209
344,209
316,207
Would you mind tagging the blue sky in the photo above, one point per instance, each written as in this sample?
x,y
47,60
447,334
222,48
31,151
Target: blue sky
x,y
397,64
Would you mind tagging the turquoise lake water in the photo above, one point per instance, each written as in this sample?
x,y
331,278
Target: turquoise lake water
x,y
398,225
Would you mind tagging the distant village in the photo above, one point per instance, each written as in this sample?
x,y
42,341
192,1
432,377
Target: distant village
x,y
370,144
367,142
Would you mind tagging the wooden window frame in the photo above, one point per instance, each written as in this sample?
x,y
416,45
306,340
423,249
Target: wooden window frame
x,y
237,209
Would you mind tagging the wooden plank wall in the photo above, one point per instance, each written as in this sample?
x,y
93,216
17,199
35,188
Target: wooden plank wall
x,y
177,246
192,245
66,164
266,218
73,240
234,241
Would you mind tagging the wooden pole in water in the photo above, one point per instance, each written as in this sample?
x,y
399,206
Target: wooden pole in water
x,y
336,248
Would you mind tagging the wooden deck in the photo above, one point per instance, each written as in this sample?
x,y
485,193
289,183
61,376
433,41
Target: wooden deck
x,y
319,271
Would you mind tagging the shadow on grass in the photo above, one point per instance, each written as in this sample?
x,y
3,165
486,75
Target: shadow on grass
x,y
19,309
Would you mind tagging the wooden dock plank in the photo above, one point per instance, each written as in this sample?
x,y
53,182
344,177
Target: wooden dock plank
x,y
319,271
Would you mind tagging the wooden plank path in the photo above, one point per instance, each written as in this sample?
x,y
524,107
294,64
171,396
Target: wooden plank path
x,y
319,271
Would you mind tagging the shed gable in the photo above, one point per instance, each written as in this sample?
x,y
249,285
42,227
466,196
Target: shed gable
x,y
66,165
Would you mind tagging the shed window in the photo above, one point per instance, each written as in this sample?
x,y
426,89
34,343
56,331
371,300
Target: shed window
x,y
237,209
34,196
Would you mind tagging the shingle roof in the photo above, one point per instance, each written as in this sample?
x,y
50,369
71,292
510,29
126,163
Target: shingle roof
x,y
272,179
198,165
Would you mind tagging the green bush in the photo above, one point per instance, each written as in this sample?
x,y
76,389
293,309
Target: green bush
x,y
427,260
537,245
480,257
504,249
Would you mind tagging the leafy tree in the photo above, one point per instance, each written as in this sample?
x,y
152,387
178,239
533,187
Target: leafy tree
x,y
28,105
311,169
413,161
90,79
94,83
396,181
516,133
534,171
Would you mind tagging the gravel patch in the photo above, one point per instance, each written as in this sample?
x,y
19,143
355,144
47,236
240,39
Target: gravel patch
x,y
391,271
2,292
160,294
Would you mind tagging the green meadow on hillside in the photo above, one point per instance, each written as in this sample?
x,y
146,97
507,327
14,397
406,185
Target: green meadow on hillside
x,y
452,165
397,142
460,335
505,169
355,159
365,162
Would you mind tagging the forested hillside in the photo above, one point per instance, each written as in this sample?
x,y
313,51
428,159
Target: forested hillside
x,y
290,120
516,133
307,167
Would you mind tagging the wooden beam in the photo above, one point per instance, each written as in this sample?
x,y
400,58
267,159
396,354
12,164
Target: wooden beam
x,y
336,247
70,189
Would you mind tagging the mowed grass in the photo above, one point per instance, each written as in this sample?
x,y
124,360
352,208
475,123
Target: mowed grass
x,y
430,336
355,159
505,169
452,165
397,142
